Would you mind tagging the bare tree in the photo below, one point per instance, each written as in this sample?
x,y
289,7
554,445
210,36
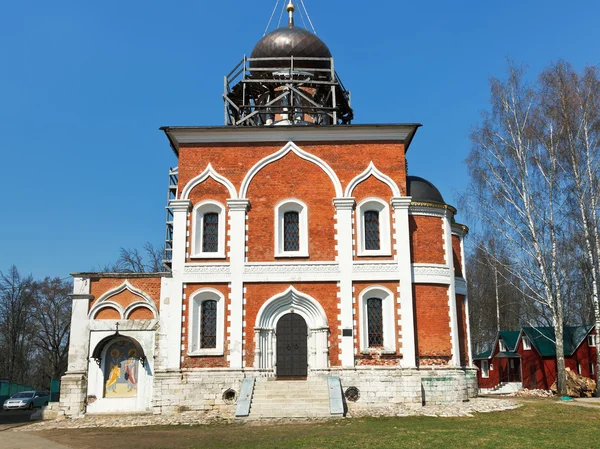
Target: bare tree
x,y
135,261
16,325
571,105
52,315
518,188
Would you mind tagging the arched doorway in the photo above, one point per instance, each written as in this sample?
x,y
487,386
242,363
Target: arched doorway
x,y
315,330
292,346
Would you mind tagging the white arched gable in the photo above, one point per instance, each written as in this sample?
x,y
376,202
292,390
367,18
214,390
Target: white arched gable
x,y
291,301
107,305
372,171
208,172
290,147
104,300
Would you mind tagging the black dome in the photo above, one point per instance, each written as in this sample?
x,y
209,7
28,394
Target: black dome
x,y
423,191
291,41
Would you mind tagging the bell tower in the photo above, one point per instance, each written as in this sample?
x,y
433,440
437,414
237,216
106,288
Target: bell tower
x,y
289,79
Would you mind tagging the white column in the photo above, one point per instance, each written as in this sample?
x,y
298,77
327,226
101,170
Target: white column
x,y
79,342
468,321
400,206
345,208
451,290
237,258
173,321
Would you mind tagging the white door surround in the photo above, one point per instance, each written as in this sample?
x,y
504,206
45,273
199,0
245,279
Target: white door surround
x,y
291,301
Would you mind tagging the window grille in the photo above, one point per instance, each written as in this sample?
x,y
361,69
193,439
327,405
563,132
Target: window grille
x,y
375,322
210,233
372,230
291,231
208,333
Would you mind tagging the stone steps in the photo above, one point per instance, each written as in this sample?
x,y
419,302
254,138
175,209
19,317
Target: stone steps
x,y
290,399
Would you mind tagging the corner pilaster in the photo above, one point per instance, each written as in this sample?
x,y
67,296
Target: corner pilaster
x,y
237,258
402,231
180,210
345,208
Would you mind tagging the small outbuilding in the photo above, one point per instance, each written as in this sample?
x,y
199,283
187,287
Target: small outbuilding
x,y
526,358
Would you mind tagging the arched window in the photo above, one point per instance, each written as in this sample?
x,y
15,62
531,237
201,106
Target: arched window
x,y
210,233
373,228
291,229
208,230
375,322
205,328
121,369
208,330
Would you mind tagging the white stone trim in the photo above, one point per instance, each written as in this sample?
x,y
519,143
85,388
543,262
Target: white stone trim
x,y
228,134
427,273
290,147
291,301
402,239
237,256
291,272
136,305
209,172
200,209
389,325
371,170
345,246
195,302
291,205
142,401
104,299
107,305
453,316
382,207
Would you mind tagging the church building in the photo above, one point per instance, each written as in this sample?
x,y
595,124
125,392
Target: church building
x,y
300,257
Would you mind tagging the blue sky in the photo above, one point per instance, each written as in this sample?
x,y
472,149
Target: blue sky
x,y
84,87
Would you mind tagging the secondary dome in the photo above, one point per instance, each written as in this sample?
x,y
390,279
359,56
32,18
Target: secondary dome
x,y
291,41
423,191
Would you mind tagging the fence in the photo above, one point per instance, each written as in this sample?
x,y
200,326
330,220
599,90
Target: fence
x,y
7,389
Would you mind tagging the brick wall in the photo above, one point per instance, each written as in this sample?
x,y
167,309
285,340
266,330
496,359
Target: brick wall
x,y
426,239
291,177
456,255
150,286
463,344
432,323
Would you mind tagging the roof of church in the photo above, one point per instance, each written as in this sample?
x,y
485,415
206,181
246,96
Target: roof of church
x,y
423,191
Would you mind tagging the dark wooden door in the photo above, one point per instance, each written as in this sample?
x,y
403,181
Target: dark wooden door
x,y
292,346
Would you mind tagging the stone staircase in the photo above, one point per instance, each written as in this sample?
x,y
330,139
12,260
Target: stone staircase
x,y
505,388
290,399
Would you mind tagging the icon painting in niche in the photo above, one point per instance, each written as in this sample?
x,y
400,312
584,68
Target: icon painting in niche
x,y
120,370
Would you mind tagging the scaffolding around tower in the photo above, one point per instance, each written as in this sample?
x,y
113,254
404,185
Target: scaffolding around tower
x,y
286,91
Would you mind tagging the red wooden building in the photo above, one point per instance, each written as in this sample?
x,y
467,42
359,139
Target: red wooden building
x,y
528,357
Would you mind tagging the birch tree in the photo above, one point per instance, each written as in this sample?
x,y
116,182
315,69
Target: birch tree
x,y
518,194
571,104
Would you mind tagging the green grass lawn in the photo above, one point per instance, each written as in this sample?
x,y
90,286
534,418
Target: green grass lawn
x,y
537,424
